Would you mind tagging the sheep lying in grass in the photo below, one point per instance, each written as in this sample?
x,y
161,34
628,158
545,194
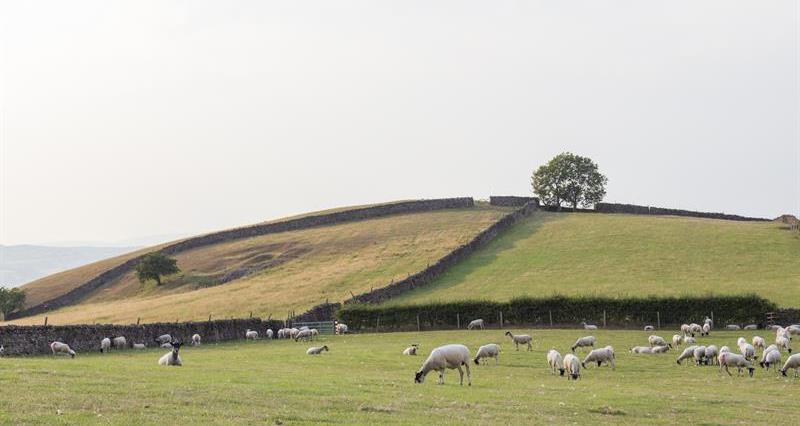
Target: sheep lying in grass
x,y
793,362
251,334
119,342
519,339
588,326
751,327
478,323
686,354
105,345
555,362
584,342
139,346
411,350
642,350
448,356
488,351
172,357
62,348
600,356
661,349
733,327
656,341
771,358
196,340
316,350
730,359
649,328
572,367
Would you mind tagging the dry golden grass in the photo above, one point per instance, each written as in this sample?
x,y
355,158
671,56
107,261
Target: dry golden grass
x,y
317,264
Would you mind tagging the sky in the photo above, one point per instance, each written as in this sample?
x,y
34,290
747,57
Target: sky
x,y
123,120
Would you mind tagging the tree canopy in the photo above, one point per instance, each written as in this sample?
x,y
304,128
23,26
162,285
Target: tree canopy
x,y
154,266
11,300
569,179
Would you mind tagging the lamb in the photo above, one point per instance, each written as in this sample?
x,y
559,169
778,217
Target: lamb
x,y
699,355
656,341
139,346
677,339
555,362
316,350
105,345
251,334
119,342
488,351
341,328
269,334
751,327
771,359
521,339
686,354
447,356
649,328
758,342
196,339
583,342
588,326
729,359
478,323
711,354
411,350
306,335
572,366
792,362
62,348
733,327
172,357
599,356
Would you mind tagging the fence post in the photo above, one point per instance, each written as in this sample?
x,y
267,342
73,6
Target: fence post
x,y
501,319
458,321
45,320
418,329
712,316
604,318
378,324
658,319
551,318
251,314
138,320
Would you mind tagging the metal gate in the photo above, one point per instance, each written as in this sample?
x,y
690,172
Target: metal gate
x,y
324,327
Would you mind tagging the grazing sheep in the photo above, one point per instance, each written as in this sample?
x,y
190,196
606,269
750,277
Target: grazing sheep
x,y
758,342
293,332
784,343
283,333
748,351
584,342
695,329
649,328
642,350
686,354
656,341
689,340
782,332
341,328
448,356
105,345
711,354
251,334
792,362
62,348
706,329
677,340
306,335
314,333
741,341
588,326
316,350
771,359
572,366
520,339
600,356
751,327
164,338
411,350
488,351
700,355
555,362
685,329
172,357
120,342
478,323
139,346
794,329
729,359
196,339
733,327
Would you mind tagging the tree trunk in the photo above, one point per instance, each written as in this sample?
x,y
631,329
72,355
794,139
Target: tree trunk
x,y
158,280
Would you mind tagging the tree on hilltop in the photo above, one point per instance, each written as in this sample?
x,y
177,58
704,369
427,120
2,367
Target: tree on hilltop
x,y
570,179
154,266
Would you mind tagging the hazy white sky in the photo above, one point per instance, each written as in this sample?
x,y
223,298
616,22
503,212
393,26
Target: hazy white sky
x,y
127,119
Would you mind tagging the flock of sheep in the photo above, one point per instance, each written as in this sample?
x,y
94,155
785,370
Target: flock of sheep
x,y
456,356
173,358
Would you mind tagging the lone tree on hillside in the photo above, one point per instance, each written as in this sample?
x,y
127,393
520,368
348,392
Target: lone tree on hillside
x,y
154,266
571,179
11,300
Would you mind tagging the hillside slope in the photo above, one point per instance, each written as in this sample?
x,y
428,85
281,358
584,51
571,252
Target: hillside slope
x,y
615,255
290,270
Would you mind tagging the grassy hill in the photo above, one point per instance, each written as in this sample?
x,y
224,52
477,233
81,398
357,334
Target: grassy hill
x,y
605,254
291,270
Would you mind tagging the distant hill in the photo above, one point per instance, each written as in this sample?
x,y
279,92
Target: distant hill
x,y
20,264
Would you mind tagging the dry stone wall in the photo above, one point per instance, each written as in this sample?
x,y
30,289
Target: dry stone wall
x,y
635,209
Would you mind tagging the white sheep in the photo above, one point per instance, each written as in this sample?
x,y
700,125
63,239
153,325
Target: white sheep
x,y
695,329
572,366
600,356
751,327
341,328
139,346
314,333
649,328
120,342
523,339
584,342
660,349
794,329
2,350
677,340
689,340
656,341
164,338
706,329
792,362
167,345
730,359
316,350
62,348
282,333
555,361
448,356
642,350
784,343
759,342
699,355
306,335
686,354
711,354
305,327
733,327
588,326
488,351
251,334
771,359
105,345
196,340
411,350
293,332
172,357
269,334
478,323
708,321
685,329
748,351
741,341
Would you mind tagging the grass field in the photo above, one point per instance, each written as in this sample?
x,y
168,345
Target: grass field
x,y
618,255
365,380
298,269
